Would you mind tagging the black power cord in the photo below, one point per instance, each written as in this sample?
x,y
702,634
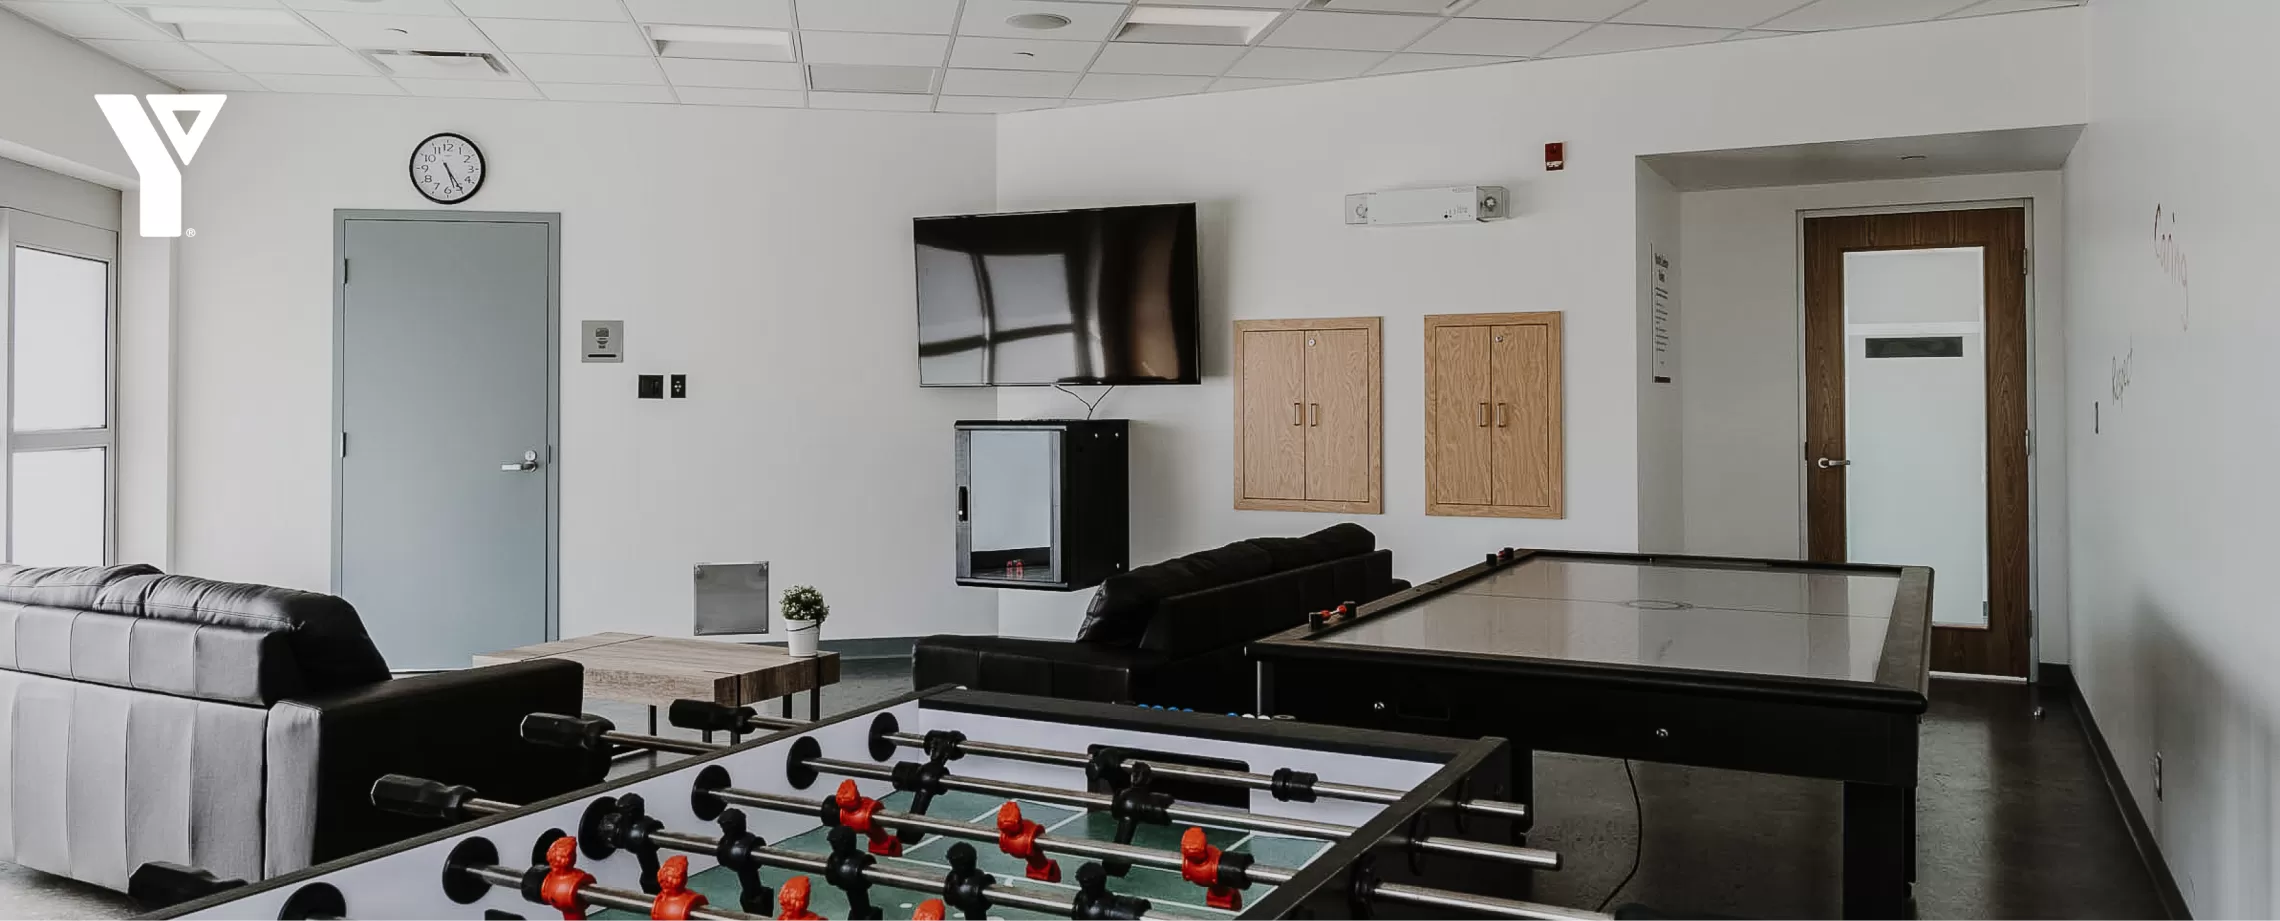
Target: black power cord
x,y
1638,837
1091,404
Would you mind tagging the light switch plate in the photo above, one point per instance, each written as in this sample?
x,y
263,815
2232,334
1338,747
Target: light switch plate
x,y
732,598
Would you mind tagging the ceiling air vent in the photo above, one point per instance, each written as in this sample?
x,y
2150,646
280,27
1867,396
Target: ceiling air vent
x,y
442,65
1189,25
1432,7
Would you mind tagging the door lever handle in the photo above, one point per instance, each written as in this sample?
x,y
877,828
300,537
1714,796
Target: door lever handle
x,y
1828,462
529,463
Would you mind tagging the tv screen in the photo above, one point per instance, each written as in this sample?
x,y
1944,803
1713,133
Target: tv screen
x,y
1100,296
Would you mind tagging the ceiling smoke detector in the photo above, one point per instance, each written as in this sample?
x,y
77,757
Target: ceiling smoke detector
x,y
1038,22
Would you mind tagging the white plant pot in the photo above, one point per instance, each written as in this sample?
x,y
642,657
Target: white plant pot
x,y
801,636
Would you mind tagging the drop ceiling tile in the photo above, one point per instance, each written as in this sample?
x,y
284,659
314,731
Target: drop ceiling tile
x,y
385,7
86,20
1238,84
1138,58
751,14
330,84
1304,63
873,48
1608,38
1411,63
590,10
1855,14
286,59
873,78
210,4
1088,22
1350,31
1992,7
992,104
963,81
1728,14
1249,4
426,33
883,102
933,17
548,36
752,75
1565,10
1138,86
1023,54
468,89
588,68
1499,37
601,92
1427,7
155,55
719,96
207,82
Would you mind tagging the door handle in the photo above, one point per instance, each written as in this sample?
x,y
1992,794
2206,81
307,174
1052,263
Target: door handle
x,y
1828,462
1500,414
1483,415
529,463
1314,414
1297,414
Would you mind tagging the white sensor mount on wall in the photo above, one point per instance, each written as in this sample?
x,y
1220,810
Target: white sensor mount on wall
x,y
1457,204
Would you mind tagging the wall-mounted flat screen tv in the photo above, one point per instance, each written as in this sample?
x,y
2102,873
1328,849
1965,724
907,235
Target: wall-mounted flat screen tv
x,y
1097,296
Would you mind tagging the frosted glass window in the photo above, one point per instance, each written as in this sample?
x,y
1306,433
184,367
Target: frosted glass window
x,y
60,507
60,354
1916,419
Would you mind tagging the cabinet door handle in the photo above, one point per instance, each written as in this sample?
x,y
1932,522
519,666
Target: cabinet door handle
x,y
1483,415
1500,415
1297,414
962,509
1314,414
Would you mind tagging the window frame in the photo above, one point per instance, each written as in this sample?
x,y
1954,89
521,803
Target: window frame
x,y
25,230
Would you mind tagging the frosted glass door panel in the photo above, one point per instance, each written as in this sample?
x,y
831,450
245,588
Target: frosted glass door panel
x,y
60,499
1916,419
60,353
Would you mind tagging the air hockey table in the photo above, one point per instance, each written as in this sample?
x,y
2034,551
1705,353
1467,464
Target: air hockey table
x,y
1782,667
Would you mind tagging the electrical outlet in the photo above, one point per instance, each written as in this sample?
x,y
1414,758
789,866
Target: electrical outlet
x,y
2157,775
649,387
679,388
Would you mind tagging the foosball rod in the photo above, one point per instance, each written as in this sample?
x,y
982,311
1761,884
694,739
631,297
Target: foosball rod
x,y
1536,858
876,874
604,896
700,714
1166,860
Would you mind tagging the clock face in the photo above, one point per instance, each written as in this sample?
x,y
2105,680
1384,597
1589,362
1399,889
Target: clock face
x,y
447,168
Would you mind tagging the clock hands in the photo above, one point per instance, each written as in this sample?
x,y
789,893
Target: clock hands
x,y
453,176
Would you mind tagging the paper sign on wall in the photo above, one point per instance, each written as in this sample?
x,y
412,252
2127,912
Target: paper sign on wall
x,y
601,340
1664,326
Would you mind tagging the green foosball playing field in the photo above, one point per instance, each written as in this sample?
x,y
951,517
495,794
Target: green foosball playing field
x,y
1163,887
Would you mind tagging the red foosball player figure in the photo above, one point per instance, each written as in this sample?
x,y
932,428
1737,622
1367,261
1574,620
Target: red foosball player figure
x,y
930,910
855,812
792,897
1017,837
674,899
559,890
1199,864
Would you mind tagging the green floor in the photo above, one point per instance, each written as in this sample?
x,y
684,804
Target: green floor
x,y
1165,888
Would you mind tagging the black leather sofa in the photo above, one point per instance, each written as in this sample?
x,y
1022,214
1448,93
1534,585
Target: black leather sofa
x,y
1172,633
235,728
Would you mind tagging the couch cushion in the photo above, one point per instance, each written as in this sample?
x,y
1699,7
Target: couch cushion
x,y
63,586
326,640
1335,542
1121,608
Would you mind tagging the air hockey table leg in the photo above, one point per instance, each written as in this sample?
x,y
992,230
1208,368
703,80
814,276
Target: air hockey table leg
x,y
1878,852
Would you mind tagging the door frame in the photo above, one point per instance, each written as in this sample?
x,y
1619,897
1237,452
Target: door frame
x,y
2031,236
553,222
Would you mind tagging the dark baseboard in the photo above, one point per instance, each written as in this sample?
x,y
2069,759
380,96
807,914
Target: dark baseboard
x,y
2060,678
877,647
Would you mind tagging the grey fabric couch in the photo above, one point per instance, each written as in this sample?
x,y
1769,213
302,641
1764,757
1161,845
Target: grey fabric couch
x,y
237,728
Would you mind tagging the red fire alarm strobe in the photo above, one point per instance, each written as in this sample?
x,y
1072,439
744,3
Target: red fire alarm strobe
x,y
1555,156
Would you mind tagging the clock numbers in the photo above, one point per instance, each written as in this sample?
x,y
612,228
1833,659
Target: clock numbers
x,y
447,168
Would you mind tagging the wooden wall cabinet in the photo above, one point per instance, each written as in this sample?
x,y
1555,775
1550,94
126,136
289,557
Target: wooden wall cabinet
x,y
1493,437
1307,409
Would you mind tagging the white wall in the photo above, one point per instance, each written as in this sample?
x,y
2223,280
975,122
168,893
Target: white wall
x,y
2173,491
765,253
48,116
1739,329
1662,445
1271,165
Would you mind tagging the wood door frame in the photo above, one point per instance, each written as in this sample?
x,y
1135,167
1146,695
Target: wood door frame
x,y
2006,232
1375,328
1556,322
552,220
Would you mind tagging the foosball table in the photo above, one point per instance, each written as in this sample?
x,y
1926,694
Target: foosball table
x,y
948,802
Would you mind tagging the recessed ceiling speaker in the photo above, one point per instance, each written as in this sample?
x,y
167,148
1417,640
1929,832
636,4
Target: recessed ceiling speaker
x,y
1039,22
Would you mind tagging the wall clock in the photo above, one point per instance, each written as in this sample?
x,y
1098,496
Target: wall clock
x,y
447,168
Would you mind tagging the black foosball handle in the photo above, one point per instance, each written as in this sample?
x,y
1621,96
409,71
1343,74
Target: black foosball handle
x,y
705,716
421,798
160,883
579,732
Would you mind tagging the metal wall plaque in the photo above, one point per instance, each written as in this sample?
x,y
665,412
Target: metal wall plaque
x,y
732,598
601,340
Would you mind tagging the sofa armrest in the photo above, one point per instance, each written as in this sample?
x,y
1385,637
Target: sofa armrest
x,y
459,727
1048,668
1231,615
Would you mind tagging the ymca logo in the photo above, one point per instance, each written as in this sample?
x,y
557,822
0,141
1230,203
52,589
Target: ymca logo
x,y
161,179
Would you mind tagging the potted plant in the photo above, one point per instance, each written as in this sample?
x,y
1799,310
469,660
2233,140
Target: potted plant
x,y
804,613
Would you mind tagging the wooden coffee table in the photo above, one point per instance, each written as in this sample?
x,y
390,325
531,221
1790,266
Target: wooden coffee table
x,y
657,670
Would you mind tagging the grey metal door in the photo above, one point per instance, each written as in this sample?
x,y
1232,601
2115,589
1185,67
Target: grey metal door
x,y
445,332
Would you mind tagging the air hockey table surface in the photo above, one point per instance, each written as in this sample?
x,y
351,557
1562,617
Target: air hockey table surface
x,y
1783,667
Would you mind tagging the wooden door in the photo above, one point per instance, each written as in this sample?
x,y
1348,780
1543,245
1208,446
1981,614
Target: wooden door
x,y
1339,417
1523,373
1271,367
1459,445
2001,647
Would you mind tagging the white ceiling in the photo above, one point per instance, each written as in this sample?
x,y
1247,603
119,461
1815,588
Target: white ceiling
x,y
899,55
